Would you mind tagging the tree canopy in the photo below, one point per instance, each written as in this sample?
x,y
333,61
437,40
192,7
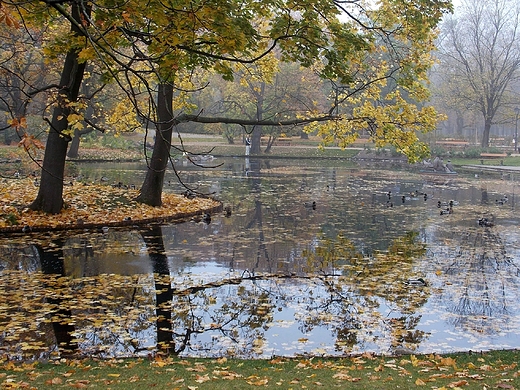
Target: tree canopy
x,y
376,55
480,59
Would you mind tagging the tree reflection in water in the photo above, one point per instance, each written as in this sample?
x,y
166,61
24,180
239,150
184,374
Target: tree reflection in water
x,y
276,277
483,280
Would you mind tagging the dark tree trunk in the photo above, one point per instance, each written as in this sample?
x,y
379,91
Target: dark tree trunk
x,y
486,133
255,140
74,145
52,264
50,194
164,292
151,191
89,114
257,130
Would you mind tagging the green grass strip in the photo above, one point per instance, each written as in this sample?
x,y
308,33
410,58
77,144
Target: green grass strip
x,y
490,370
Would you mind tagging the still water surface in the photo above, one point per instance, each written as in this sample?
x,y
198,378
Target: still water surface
x,y
315,258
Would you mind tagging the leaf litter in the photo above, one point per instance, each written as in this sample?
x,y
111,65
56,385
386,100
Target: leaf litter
x,y
89,204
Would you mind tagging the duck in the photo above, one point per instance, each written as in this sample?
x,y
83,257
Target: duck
x,y
311,204
189,194
447,211
419,282
206,218
227,211
501,201
485,222
451,203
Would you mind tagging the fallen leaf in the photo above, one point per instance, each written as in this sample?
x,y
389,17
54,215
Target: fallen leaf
x,y
504,386
202,378
458,384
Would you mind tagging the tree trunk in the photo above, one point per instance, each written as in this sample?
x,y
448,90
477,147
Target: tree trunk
x,y
74,145
257,130
460,124
255,140
486,133
153,239
151,190
52,263
50,194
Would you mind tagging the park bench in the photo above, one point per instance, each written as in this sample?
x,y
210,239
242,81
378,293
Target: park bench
x,y
286,141
488,156
453,143
280,141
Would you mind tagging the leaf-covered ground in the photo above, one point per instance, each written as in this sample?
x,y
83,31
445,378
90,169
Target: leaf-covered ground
x,y
493,370
89,205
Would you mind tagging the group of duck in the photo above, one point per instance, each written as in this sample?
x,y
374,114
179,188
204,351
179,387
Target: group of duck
x,y
414,195
446,207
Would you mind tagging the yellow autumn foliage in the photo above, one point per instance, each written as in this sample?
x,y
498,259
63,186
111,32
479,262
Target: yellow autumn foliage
x,y
89,204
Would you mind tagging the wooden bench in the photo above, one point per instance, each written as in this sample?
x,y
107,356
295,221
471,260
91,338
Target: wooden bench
x,y
453,143
280,141
489,156
283,141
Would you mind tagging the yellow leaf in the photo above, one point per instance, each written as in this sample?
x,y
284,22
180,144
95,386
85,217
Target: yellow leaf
x,y
420,382
414,360
258,382
202,378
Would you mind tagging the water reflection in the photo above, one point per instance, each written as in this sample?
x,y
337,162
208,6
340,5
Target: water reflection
x,y
311,260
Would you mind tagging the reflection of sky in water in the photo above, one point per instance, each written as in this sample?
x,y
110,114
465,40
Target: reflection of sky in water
x,y
473,273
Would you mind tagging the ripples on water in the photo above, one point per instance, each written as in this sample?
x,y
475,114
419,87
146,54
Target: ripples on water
x,y
312,260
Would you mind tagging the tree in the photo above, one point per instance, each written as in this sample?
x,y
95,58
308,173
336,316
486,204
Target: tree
x,y
359,47
50,194
480,46
269,89
23,75
363,54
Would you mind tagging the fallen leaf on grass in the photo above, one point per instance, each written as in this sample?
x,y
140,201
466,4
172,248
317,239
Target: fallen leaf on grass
x,y
54,381
81,384
254,380
198,368
504,386
202,378
225,374
457,384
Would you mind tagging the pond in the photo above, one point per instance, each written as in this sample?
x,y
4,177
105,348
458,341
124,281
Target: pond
x,y
323,258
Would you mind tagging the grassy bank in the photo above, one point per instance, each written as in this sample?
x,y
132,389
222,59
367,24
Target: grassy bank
x,y
492,370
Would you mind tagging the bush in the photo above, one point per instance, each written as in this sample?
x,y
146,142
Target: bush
x,y
470,152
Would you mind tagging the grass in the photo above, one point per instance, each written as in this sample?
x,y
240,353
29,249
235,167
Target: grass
x,y
491,370
508,161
